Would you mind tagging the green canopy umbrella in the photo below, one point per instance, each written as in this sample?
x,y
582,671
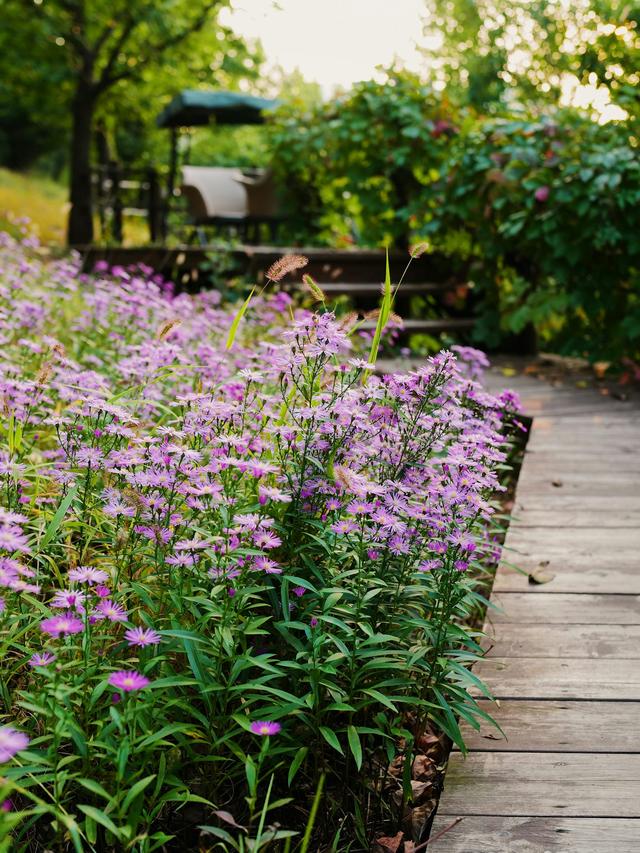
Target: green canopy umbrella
x,y
192,108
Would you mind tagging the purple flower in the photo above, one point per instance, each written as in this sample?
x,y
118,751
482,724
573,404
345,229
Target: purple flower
x,y
542,193
344,527
41,659
68,599
11,742
264,564
128,680
87,574
265,728
58,625
108,609
298,591
142,637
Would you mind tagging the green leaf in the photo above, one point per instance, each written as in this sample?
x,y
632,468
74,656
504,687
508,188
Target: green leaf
x,y
383,316
331,738
137,789
355,745
101,818
299,757
236,320
56,521
95,788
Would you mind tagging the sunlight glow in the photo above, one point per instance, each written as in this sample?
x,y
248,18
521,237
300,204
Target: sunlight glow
x,y
334,42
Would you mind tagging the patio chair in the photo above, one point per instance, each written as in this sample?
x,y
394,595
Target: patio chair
x,y
215,197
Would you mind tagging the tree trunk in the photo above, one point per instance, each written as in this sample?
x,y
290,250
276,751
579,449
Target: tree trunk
x,y
80,225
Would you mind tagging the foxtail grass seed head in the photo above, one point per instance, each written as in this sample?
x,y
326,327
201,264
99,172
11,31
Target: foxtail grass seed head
x,y
285,265
166,328
418,250
313,289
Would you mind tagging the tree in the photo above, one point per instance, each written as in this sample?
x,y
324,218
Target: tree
x,y
107,43
490,52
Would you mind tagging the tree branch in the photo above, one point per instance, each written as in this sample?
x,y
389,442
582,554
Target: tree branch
x,y
108,79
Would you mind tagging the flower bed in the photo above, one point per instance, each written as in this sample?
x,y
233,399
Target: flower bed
x,y
234,580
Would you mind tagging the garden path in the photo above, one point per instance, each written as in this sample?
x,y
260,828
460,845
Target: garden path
x,y
563,656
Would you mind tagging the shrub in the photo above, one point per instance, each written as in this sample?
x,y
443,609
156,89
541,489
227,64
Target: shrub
x,y
542,212
232,578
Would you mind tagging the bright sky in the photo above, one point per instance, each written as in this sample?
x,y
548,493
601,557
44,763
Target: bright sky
x,y
335,42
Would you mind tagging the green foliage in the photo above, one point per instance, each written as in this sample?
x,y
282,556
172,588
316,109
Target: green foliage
x,y
352,167
303,545
551,209
542,212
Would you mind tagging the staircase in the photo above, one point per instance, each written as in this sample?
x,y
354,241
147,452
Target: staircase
x,y
431,300
434,297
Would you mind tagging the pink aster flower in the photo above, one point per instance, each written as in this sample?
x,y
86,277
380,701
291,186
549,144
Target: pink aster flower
x,y
344,527
11,742
108,609
267,540
128,680
142,637
265,728
264,564
87,574
58,625
41,659
68,599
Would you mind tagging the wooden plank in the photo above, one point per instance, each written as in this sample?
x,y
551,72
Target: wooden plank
x,y
558,726
582,561
542,784
600,484
535,835
531,640
578,516
564,609
564,678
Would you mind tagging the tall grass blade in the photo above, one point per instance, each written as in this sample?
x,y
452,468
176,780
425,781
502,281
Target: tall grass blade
x,y
383,317
56,521
236,320
306,840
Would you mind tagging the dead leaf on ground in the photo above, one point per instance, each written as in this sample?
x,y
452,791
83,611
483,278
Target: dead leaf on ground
x,y
423,768
388,844
419,791
539,577
557,483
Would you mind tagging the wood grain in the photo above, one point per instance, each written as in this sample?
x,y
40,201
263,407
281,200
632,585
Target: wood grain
x,y
564,609
563,656
535,835
531,640
543,784
557,726
553,678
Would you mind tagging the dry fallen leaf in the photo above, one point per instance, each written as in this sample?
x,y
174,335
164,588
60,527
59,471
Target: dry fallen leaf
x,y
539,577
419,791
557,483
423,768
387,844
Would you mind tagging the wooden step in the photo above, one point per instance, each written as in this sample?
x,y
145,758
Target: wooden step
x,y
489,834
353,288
429,327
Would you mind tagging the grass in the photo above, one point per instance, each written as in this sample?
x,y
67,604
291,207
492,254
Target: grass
x,y
39,198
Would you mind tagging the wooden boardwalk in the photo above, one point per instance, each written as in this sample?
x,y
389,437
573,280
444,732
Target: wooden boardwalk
x,y
563,656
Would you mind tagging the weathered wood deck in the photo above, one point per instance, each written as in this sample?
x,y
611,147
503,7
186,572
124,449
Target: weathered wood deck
x,y
563,657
